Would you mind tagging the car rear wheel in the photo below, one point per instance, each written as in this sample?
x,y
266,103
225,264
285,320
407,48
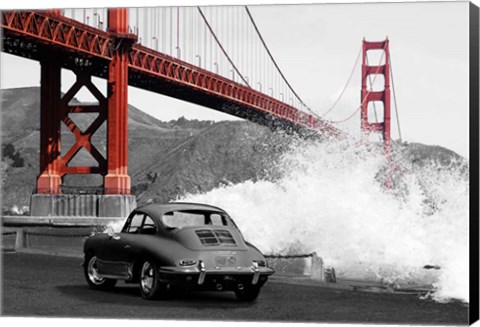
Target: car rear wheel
x,y
150,287
248,293
92,276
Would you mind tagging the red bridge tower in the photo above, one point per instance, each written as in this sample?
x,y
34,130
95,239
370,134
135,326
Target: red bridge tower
x,y
112,109
383,96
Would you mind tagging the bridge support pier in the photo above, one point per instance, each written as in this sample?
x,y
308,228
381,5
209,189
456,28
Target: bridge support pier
x,y
112,109
50,179
117,180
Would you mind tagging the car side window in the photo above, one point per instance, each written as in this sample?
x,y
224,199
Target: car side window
x,y
217,219
135,223
149,226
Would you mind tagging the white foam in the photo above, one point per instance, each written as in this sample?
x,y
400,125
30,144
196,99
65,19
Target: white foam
x,y
329,200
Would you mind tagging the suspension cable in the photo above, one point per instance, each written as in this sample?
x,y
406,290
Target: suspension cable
x,y
273,60
346,84
221,47
349,117
365,99
395,98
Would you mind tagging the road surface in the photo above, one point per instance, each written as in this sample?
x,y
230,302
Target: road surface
x,y
45,285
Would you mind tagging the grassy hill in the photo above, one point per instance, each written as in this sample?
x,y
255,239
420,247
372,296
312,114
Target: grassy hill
x,y
166,159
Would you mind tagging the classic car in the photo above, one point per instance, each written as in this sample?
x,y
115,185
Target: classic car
x,y
163,247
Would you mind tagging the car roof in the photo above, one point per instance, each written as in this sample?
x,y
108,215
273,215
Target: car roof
x,y
159,209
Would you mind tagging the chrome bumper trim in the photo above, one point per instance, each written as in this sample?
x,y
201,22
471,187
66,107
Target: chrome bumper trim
x,y
256,273
203,272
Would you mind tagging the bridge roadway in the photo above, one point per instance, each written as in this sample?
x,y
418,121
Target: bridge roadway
x,y
46,285
35,34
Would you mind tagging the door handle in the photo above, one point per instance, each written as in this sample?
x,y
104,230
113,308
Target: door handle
x,y
127,246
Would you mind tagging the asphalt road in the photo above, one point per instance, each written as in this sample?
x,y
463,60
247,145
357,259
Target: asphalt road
x,y
43,285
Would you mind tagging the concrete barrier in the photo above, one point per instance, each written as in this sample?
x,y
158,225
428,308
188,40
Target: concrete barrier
x,y
21,239
317,270
82,205
308,265
45,240
60,221
56,241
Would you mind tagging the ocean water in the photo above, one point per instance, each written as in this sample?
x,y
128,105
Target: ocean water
x,y
330,198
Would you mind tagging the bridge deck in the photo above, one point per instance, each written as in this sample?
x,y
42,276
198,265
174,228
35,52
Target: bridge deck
x,y
33,34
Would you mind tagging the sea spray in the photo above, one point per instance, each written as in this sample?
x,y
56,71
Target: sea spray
x,y
329,197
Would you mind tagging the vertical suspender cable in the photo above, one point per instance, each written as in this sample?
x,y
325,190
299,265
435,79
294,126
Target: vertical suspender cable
x,y
191,41
171,30
244,44
227,33
216,23
164,13
199,39
395,99
135,22
178,32
155,28
249,52
222,30
145,25
191,38
232,29
205,43
254,58
274,62
183,26
235,37
221,47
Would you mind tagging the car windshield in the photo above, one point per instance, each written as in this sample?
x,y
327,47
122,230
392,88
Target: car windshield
x,y
185,218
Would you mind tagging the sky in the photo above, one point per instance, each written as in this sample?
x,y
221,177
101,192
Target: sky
x,y
316,47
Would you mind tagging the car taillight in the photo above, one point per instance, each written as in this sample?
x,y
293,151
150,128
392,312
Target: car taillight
x,y
187,262
261,263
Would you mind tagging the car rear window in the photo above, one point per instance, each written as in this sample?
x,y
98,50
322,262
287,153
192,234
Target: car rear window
x,y
178,219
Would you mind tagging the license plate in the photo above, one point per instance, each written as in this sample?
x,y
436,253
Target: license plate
x,y
226,261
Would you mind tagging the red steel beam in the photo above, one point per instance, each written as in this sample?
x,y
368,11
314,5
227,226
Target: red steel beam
x,y
117,180
81,39
50,179
51,29
383,128
382,96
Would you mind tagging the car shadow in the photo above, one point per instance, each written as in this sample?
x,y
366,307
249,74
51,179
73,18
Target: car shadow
x,y
124,294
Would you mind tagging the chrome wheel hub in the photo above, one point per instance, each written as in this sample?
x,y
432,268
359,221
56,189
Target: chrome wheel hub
x,y
147,277
93,272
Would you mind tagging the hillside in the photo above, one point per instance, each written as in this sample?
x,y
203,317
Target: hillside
x,y
171,154
166,159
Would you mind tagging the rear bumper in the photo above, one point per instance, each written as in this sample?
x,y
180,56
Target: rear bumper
x,y
252,275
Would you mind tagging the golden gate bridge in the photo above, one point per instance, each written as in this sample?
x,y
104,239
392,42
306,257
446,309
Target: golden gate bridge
x,y
215,57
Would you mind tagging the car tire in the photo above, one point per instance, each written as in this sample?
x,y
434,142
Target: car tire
x,y
150,286
91,274
248,294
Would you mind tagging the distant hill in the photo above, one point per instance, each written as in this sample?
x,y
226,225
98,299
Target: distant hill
x,y
166,159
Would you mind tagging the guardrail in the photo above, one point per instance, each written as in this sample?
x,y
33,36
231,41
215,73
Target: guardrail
x,y
53,221
313,268
307,265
